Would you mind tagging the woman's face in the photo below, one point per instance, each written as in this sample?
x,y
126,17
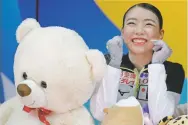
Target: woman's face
x,y
140,27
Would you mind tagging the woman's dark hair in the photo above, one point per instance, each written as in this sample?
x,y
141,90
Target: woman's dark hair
x,y
148,7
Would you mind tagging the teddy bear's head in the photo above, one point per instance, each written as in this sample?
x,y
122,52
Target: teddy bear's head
x,y
125,112
54,68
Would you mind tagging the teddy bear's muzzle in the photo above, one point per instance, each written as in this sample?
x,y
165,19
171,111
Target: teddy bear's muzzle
x,y
23,90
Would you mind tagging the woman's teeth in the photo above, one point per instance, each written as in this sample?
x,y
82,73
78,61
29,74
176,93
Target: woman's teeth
x,y
139,41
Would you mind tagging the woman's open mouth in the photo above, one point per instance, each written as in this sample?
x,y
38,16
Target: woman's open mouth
x,y
139,41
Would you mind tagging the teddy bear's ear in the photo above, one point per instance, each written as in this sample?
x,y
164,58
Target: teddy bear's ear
x,y
98,64
25,27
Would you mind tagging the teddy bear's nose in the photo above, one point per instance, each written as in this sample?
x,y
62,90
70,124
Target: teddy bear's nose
x,y
23,90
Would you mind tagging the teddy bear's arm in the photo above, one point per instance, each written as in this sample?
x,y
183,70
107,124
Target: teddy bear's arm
x,y
6,109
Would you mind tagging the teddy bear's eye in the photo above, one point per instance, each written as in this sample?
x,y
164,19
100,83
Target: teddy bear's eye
x,y
25,75
43,84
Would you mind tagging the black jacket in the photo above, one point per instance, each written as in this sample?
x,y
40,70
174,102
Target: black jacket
x,y
135,83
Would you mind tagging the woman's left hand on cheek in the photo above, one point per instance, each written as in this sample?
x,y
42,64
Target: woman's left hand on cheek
x,y
161,51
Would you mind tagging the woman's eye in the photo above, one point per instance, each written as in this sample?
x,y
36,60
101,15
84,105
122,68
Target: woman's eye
x,y
149,24
130,23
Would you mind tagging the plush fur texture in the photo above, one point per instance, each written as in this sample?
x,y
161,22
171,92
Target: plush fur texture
x,y
180,120
53,69
125,112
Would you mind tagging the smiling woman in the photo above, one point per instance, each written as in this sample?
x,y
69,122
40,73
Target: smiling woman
x,y
142,32
175,21
142,23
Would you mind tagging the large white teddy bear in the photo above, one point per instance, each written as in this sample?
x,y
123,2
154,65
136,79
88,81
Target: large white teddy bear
x,y
55,74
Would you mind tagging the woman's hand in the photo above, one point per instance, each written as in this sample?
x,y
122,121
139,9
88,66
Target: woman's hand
x,y
161,51
115,49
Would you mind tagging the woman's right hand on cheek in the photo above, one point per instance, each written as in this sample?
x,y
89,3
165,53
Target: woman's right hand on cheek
x,y
115,49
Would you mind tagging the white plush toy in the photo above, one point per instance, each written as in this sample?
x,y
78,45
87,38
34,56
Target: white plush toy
x,y
55,74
